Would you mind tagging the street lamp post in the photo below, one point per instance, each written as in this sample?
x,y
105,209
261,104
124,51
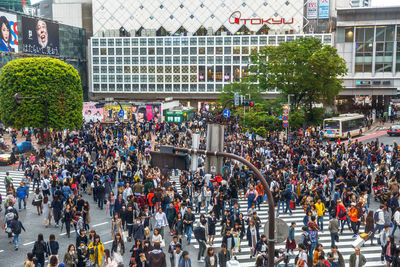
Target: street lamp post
x,y
271,204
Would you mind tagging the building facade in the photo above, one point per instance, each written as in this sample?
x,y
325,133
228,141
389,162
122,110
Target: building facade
x,y
360,3
369,40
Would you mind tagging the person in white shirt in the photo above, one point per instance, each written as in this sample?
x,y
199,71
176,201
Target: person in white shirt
x,y
303,258
127,192
161,221
396,220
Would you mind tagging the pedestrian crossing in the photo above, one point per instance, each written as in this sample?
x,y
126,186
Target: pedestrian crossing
x,y
372,253
17,178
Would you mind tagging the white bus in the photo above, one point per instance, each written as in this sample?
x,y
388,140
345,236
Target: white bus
x,y
344,126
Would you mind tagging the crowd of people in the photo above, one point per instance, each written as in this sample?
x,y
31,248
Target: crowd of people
x,y
108,168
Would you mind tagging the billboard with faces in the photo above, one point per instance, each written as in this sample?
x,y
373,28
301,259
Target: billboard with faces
x,y
40,37
9,32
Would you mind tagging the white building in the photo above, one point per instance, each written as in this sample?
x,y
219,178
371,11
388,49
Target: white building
x,y
360,3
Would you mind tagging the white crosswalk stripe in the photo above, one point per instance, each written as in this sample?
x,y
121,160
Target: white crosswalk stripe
x,y
17,178
371,253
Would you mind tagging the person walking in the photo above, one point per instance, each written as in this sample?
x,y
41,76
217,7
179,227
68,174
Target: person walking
x,y
188,220
40,249
335,257
21,195
223,256
46,207
16,227
185,260
320,207
118,248
384,239
200,235
71,257
52,246
29,260
357,259
389,251
211,258
156,257
334,230
96,250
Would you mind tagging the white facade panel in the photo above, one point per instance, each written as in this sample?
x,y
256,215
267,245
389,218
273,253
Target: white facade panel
x,y
282,15
69,14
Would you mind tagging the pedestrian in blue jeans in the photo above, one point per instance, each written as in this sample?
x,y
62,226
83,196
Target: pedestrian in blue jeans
x,y
188,220
22,195
16,227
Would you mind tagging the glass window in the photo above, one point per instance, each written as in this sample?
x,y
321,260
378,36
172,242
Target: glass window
x,y
96,60
193,51
110,51
135,69
152,87
218,51
168,78
202,50
236,40
160,78
227,73
127,87
210,60
218,73
236,73
104,87
202,41
127,42
95,51
118,42
111,87
127,60
227,40
168,87
177,78
160,51
119,78
110,42
160,69
210,50
272,40
168,51
185,51
185,41
185,87
160,87
227,50
185,60
193,41
349,34
168,41
177,41
236,60
218,60
263,40
119,69
127,69
245,50
135,78
143,41
202,87
143,78
236,50
193,69
135,87
103,42
118,51
185,69
177,51
210,74
202,60
127,51
177,60
210,87
96,78
152,69
104,78
193,79
152,78
104,60
143,88
143,60
245,60
103,69
227,60
160,60
159,41
281,39
95,42
151,41
135,60
177,69
254,49
135,42
245,40
168,60
127,78
118,60
143,69
151,51
111,60
135,51
96,69
152,60
143,51
254,40
168,69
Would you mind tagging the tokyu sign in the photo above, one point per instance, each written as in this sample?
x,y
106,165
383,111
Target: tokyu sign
x,y
236,18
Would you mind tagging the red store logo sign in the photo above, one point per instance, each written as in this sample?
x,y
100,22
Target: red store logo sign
x,y
236,18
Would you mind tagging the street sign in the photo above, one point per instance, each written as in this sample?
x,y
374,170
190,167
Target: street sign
x,y
227,113
285,111
285,125
285,118
281,230
237,99
121,113
280,117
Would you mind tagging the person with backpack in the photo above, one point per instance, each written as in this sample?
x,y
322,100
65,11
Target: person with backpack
x,y
379,218
7,180
341,214
40,249
302,259
16,227
305,239
52,246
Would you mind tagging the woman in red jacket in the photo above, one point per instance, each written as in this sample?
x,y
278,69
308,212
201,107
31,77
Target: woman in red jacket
x,y
341,214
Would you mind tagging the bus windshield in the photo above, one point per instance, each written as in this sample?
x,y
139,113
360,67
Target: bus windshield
x,y
331,124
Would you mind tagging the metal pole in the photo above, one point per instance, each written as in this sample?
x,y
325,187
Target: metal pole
x,y
271,204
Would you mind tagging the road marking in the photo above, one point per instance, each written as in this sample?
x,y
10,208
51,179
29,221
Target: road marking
x,y
29,243
100,224
108,242
1,251
63,233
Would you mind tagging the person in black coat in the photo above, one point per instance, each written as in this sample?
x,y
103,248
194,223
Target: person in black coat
x,y
67,218
212,221
57,207
83,254
138,230
40,249
210,255
100,194
81,238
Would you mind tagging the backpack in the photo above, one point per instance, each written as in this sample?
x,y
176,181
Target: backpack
x,y
307,241
197,233
153,200
341,213
17,228
39,248
376,216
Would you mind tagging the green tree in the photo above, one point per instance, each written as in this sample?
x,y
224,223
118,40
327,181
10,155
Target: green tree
x,y
54,88
305,69
227,93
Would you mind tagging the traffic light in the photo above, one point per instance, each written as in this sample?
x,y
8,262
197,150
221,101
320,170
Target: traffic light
x,y
248,103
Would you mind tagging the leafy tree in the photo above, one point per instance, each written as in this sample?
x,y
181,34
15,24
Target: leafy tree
x,y
55,92
304,68
226,97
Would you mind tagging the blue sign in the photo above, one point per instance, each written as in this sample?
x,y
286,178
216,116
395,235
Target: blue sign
x,y
323,9
280,117
121,113
285,125
285,118
227,113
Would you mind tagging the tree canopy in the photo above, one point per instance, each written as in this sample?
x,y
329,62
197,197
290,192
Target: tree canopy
x,y
305,69
55,92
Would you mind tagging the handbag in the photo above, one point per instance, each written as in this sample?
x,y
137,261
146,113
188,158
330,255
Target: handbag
x,y
8,230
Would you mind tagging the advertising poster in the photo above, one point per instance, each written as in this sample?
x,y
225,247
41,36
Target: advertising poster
x,y
142,113
9,32
312,9
323,9
91,113
40,37
111,113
